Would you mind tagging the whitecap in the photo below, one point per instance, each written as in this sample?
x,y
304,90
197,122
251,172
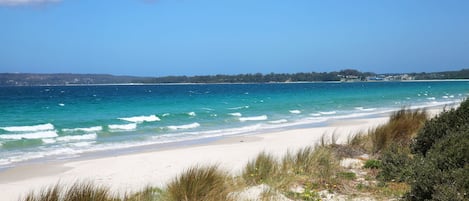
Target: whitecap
x,y
278,121
165,114
431,98
315,114
90,129
255,118
295,111
40,127
122,126
36,135
68,138
61,104
365,109
81,144
235,114
238,108
445,97
48,141
187,126
328,113
141,119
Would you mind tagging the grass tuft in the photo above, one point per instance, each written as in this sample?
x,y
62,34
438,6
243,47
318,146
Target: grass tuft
x,y
403,125
200,183
79,191
401,128
261,170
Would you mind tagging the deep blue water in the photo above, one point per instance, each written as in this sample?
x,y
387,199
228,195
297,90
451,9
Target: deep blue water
x,y
66,121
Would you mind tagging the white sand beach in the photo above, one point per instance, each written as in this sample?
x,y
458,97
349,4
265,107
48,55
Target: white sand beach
x,y
132,172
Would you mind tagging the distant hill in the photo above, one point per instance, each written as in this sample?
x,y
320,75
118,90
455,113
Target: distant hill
x,y
33,79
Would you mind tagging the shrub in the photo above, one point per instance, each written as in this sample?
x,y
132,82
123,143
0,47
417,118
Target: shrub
x,y
372,164
347,175
440,126
396,164
443,173
199,183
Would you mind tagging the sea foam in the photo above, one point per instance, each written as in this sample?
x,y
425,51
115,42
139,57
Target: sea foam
x,y
36,135
40,127
90,129
187,126
191,114
295,111
123,126
235,114
68,138
255,118
278,121
238,108
141,119
328,113
365,109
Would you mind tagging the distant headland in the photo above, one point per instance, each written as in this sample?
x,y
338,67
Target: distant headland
x,y
347,75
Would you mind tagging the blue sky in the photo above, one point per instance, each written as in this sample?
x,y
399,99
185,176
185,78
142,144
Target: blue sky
x,y
198,37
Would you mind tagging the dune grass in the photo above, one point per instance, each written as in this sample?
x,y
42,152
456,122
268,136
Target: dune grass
x,y
401,128
263,169
200,183
313,167
79,191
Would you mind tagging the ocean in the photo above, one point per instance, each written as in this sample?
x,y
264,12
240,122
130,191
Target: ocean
x,y
62,122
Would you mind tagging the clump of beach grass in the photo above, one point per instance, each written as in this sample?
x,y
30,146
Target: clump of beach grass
x,y
401,128
208,183
263,169
147,194
79,191
403,125
314,167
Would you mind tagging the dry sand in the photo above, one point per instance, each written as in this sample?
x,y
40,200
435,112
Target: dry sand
x,y
131,172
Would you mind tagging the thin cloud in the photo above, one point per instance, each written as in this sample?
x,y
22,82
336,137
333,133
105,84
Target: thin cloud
x,y
25,2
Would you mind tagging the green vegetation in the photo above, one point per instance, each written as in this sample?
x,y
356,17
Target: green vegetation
x,y
79,191
261,170
401,128
440,164
410,158
445,124
31,79
372,164
200,183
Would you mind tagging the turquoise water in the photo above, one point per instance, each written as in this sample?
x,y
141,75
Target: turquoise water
x,y
68,121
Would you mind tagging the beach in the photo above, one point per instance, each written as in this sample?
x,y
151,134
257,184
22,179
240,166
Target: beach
x,y
132,172
130,137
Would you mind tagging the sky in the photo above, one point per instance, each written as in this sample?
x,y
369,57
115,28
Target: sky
x,y
204,37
